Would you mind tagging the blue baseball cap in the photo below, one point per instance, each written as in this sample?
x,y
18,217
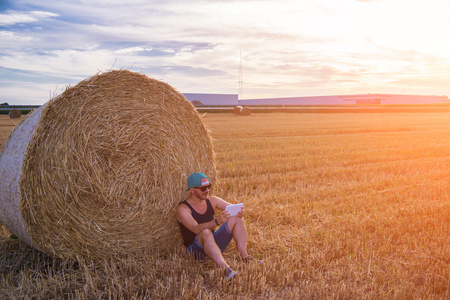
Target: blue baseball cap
x,y
197,179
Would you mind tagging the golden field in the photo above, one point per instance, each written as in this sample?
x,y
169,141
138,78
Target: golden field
x,y
339,206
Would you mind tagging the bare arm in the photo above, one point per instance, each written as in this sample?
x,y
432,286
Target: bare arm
x,y
218,203
185,217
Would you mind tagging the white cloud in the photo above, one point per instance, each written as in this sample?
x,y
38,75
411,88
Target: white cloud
x,y
67,63
131,50
12,36
14,17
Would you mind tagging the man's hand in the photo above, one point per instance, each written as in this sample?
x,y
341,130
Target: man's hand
x,y
223,217
241,213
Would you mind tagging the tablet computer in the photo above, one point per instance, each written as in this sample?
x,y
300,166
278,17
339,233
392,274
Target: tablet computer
x,y
233,209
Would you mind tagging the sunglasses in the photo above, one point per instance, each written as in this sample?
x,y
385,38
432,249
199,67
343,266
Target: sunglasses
x,y
203,188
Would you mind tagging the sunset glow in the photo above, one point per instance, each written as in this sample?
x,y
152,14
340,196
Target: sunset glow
x,y
289,48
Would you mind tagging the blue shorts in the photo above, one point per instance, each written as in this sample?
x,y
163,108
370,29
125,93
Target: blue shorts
x,y
222,236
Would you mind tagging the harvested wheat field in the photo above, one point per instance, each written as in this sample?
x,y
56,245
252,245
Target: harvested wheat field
x,y
339,206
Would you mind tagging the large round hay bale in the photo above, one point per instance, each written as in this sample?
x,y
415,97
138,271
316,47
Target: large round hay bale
x,y
99,170
246,111
15,114
237,110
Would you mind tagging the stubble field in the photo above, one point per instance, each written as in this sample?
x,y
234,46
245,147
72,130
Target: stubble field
x,y
339,206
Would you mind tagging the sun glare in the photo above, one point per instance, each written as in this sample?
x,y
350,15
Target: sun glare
x,y
408,25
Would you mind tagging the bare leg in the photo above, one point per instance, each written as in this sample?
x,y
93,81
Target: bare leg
x,y
239,231
206,239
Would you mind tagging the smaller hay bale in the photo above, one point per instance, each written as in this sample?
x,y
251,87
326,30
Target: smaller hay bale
x,y
197,103
15,114
237,110
246,111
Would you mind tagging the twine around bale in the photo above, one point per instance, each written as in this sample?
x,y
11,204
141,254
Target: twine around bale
x,y
11,163
237,110
107,166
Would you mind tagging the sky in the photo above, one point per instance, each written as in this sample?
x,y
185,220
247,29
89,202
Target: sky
x,y
285,48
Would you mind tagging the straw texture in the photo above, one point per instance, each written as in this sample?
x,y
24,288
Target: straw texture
x,y
107,166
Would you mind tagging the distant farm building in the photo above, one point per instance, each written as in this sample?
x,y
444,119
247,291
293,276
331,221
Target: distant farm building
x,y
359,99
363,99
212,99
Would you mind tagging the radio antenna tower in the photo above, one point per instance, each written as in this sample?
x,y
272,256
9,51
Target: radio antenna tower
x,y
240,75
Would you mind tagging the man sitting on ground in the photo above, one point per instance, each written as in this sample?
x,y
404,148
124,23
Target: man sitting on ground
x,y
197,224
